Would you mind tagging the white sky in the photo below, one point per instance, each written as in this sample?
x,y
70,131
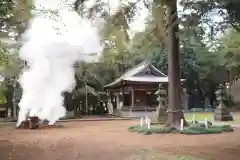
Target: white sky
x,y
136,26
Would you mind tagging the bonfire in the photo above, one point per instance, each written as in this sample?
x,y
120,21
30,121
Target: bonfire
x,y
35,123
30,123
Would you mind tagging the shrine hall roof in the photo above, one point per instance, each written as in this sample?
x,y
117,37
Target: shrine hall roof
x,y
143,72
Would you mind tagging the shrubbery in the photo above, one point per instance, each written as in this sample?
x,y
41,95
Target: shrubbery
x,y
201,129
193,129
145,130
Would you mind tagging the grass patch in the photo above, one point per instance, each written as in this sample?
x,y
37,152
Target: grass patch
x,y
151,155
195,129
201,129
198,116
225,128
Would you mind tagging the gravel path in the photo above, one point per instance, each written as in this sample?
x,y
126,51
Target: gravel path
x,y
109,140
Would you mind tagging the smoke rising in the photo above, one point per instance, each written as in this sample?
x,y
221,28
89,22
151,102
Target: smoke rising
x,y
52,46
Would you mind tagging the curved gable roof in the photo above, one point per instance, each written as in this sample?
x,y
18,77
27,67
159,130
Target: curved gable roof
x,y
132,75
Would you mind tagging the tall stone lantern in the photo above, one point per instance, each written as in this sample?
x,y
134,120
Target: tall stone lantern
x,y
161,112
222,112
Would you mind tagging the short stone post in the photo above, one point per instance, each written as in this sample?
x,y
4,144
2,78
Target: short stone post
x,y
161,112
222,112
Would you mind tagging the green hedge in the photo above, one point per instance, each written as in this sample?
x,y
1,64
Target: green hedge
x,y
199,129
193,129
157,130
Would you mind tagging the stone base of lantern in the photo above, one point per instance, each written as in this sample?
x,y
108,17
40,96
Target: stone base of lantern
x,y
161,114
222,113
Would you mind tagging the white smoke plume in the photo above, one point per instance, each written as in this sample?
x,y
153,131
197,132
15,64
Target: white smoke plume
x,y
52,46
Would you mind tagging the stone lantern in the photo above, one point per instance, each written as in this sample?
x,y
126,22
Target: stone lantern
x,y
161,112
222,112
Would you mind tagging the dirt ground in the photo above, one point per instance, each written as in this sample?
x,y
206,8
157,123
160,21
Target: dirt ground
x,y
110,140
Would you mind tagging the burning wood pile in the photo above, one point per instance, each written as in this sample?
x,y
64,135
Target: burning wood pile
x,y
30,123
34,123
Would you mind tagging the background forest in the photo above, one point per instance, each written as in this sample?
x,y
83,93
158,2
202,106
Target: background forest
x,y
209,46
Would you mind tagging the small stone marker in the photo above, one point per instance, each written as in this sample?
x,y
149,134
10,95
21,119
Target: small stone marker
x,y
206,123
148,123
213,120
141,122
181,127
193,119
146,119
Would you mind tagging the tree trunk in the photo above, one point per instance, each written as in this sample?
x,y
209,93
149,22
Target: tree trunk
x,y
68,101
86,98
175,113
9,99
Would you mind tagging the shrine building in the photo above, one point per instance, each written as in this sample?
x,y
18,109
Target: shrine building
x,y
135,89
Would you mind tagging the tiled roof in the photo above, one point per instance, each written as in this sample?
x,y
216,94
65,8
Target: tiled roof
x,y
131,75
